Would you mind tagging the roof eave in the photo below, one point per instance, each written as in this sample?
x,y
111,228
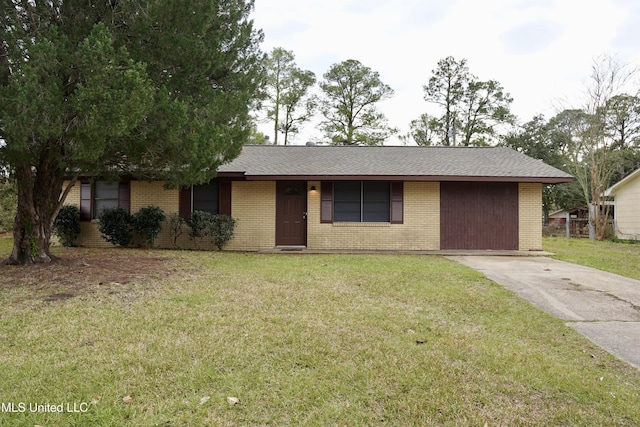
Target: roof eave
x,y
612,190
414,178
231,175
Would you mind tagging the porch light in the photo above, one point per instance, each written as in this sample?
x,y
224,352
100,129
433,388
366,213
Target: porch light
x,y
313,188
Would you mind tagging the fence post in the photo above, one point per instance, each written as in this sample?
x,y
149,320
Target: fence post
x,y
568,224
592,231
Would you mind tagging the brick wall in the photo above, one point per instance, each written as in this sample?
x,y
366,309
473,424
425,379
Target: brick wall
x,y
420,230
145,194
142,194
253,205
73,198
530,216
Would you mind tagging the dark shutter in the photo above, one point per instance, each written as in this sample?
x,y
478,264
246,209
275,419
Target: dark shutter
x,y
225,198
326,202
124,193
85,201
397,202
184,203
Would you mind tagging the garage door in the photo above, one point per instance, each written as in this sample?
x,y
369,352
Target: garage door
x,y
478,215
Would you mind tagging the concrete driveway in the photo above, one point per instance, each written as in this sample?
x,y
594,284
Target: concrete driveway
x,y
602,306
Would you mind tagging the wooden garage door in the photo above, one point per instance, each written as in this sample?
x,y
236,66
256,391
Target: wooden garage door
x,y
478,215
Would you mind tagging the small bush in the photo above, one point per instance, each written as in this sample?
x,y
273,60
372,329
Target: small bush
x,y
67,225
219,227
115,226
200,223
222,228
147,223
175,228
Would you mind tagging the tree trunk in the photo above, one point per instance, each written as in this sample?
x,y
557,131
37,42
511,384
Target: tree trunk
x,y
38,205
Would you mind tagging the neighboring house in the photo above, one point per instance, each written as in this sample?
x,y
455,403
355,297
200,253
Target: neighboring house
x,y
353,198
626,194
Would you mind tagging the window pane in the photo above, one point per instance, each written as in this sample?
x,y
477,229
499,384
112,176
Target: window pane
x,y
106,190
292,191
205,197
376,201
346,201
347,212
376,212
106,196
101,205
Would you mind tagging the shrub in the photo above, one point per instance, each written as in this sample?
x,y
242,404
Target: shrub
x,y
175,228
219,227
222,228
200,223
67,225
147,223
115,225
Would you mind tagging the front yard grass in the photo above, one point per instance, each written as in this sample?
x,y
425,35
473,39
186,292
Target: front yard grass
x,y
300,340
615,257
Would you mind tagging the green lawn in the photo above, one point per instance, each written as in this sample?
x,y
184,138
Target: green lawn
x,y
5,246
300,340
615,257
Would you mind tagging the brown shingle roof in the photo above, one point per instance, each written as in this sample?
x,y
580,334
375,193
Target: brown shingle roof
x,y
259,162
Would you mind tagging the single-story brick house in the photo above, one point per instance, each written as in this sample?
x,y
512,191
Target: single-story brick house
x,y
353,198
626,194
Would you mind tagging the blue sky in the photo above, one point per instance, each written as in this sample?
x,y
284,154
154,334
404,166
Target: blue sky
x,y
541,51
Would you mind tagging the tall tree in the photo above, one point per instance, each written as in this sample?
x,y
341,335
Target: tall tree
x,y
280,62
423,130
623,128
623,121
154,88
592,158
563,137
540,139
446,88
299,106
486,105
473,109
287,93
351,92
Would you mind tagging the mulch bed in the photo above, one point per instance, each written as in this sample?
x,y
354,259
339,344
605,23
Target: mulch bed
x,y
79,268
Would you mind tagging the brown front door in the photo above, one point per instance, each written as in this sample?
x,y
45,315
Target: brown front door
x,y
291,213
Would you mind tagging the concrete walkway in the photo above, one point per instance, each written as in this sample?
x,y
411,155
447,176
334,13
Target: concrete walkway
x,y
445,253
602,306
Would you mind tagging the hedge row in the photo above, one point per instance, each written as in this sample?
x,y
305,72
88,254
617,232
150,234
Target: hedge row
x,y
118,227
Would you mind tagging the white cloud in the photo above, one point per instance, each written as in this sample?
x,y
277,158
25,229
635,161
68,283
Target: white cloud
x,y
531,37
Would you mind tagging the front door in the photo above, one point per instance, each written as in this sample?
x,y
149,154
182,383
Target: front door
x,y
291,213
